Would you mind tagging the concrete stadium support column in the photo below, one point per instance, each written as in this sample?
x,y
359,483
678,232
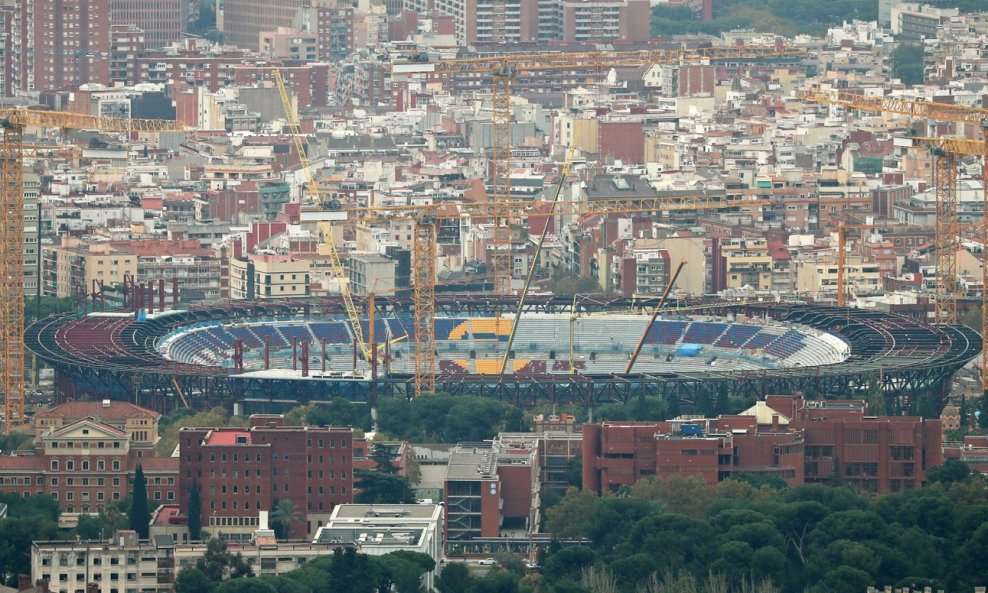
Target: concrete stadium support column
x,y
161,294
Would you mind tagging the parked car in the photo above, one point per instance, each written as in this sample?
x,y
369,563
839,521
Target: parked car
x,y
487,562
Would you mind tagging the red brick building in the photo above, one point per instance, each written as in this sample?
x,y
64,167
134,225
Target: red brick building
x,y
242,472
786,437
60,44
621,140
194,66
490,487
84,464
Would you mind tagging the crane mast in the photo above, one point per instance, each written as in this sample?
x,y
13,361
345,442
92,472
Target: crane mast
x,y
12,149
504,68
310,185
946,152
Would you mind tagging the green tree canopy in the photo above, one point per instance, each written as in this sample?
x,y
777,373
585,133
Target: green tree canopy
x,y
907,62
193,580
447,419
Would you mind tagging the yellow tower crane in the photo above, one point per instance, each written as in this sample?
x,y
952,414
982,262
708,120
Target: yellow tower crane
x,y
424,246
842,284
503,68
956,148
944,176
12,151
310,185
946,152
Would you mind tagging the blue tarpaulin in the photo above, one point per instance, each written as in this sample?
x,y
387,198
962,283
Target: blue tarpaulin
x,y
689,350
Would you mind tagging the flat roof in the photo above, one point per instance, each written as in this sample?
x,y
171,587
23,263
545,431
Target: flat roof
x,y
468,462
166,513
220,436
371,511
370,535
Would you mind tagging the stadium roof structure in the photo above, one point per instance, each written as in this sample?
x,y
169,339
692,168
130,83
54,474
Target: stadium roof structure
x,y
114,356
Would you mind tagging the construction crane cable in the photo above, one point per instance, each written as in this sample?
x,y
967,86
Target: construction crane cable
x,y
563,174
655,314
313,189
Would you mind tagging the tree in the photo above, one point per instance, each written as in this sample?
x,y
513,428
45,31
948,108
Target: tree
x,y
574,472
402,571
283,584
339,412
689,495
568,562
353,572
383,456
454,578
140,515
193,580
195,512
90,528
573,516
413,471
219,564
246,586
567,284
379,488
16,441
284,516
907,62
16,535
952,470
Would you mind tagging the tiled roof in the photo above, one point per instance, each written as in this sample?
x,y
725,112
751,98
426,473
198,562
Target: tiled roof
x,y
114,411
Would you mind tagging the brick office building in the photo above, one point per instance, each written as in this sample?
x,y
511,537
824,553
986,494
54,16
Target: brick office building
x,y
786,437
243,471
490,487
86,463
140,424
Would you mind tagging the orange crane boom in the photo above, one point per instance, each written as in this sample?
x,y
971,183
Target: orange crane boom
x,y
503,69
946,151
424,247
12,149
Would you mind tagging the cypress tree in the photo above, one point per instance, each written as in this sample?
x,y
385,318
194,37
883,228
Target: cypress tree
x,y
140,516
195,512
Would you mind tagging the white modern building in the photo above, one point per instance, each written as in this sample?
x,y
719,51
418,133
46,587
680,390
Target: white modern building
x,y
377,530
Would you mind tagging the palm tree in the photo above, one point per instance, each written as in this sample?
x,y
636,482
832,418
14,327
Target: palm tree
x,y
285,514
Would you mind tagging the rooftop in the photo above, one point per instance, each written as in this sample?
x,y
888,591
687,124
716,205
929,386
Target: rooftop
x,y
105,410
369,511
219,437
370,535
472,461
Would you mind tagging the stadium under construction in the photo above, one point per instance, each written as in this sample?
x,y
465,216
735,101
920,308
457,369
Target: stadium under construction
x,y
267,356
